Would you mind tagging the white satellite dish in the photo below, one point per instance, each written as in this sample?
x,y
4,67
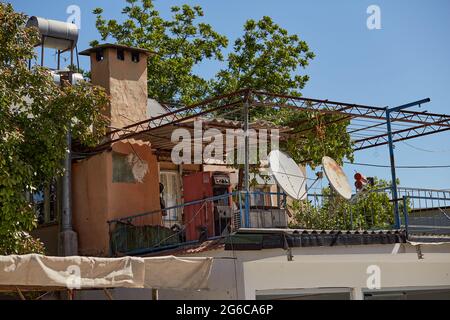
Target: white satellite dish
x,y
337,178
287,174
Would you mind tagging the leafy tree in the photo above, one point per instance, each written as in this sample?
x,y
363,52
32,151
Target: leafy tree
x,y
266,57
180,44
35,115
370,210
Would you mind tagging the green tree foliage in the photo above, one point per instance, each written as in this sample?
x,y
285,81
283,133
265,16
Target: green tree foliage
x,y
266,57
372,209
180,44
35,114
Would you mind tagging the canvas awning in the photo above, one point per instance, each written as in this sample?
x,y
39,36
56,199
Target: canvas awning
x,y
177,273
39,272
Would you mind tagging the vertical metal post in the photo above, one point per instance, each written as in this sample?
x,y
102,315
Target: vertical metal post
x,y
391,152
68,241
47,203
42,51
78,59
66,219
278,197
240,211
393,173
405,214
246,165
71,56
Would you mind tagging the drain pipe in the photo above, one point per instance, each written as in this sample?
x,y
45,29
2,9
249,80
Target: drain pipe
x,y
68,240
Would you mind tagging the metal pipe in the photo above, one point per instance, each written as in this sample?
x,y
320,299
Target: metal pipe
x,y
391,153
393,173
42,51
405,214
409,105
246,165
78,59
66,218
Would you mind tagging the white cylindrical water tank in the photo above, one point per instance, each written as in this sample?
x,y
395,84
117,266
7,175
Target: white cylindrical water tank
x,y
77,77
57,34
56,77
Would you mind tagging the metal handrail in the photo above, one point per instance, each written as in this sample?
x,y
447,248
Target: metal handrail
x,y
215,198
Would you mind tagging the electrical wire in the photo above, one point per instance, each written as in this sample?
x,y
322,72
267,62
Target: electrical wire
x,y
398,167
425,150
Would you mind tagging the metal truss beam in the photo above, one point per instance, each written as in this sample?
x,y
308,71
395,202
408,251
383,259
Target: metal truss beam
x,y
421,123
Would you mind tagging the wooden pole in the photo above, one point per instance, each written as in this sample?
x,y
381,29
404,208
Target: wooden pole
x,y
22,297
108,294
155,294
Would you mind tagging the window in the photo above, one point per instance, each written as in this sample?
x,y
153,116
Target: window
x,y
99,55
45,203
122,169
120,54
171,195
135,57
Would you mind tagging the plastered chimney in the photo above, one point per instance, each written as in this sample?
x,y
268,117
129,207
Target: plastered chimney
x,y
122,71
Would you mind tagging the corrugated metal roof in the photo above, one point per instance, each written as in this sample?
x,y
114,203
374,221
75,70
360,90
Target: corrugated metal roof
x,y
429,238
161,134
258,239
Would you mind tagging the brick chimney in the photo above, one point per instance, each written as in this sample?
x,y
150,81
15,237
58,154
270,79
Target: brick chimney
x,y
122,71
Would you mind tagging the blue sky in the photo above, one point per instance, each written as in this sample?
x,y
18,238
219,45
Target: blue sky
x,y
407,60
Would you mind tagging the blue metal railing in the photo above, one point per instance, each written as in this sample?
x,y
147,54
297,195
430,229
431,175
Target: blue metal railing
x,y
421,219
361,213
160,229
423,211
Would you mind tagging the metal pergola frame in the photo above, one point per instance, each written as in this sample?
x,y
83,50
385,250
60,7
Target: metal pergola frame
x,y
414,123
400,124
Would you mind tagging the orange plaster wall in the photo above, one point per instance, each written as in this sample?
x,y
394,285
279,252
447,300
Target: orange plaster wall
x,y
90,196
134,198
96,199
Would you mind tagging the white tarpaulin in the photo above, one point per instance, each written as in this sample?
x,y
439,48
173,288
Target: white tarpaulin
x,y
33,270
39,271
177,273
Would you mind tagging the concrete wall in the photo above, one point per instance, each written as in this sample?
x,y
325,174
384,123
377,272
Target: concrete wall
x,y
264,273
346,272
320,267
96,199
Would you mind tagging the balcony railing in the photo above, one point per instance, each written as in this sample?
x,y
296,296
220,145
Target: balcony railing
x,y
423,211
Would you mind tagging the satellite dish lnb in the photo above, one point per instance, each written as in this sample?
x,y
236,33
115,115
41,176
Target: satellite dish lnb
x,y
337,178
287,174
